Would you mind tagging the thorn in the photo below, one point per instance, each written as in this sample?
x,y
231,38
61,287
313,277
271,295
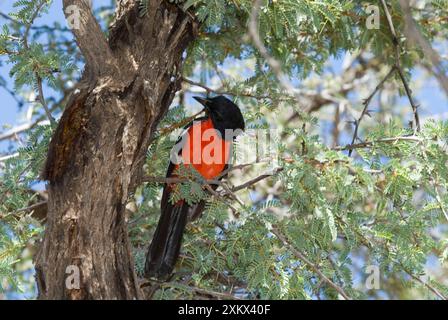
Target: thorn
x,y
368,113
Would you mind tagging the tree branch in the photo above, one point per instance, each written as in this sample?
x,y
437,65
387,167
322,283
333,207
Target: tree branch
x,y
366,106
9,156
12,133
39,206
89,36
21,128
173,180
424,283
180,124
38,77
230,93
414,35
42,100
367,144
219,295
397,47
256,180
369,244
310,264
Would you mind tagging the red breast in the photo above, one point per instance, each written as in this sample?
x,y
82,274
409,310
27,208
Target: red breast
x,y
205,150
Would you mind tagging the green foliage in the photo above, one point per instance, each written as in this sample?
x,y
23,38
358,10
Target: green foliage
x,y
385,206
28,10
18,228
30,60
35,62
335,206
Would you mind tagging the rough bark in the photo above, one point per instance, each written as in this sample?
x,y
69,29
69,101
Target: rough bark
x,y
97,152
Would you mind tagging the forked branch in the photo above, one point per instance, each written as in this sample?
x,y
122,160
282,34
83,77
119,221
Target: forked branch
x,y
89,36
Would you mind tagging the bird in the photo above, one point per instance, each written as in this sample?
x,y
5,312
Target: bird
x,y
222,123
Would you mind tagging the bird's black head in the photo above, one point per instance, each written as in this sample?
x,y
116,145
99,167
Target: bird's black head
x,y
224,114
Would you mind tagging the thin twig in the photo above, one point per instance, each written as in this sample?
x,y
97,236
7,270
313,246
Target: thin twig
x,y
369,244
367,144
36,74
232,194
231,93
256,180
180,124
175,180
397,47
9,156
201,291
41,120
366,106
424,283
310,264
21,128
43,101
205,183
227,191
440,202
414,36
236,167
222,197
30,208
29,25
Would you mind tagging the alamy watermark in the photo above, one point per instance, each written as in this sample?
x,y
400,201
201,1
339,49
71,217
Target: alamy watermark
x,y
373,279
373,20
209,147
73,279
73,15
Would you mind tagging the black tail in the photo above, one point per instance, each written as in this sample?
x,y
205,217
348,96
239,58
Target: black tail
x,y
165,246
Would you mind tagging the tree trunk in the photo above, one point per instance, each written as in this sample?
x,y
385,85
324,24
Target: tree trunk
x,y
96,155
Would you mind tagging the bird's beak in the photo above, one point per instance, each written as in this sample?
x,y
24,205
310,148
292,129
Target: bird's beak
x,y
204,101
